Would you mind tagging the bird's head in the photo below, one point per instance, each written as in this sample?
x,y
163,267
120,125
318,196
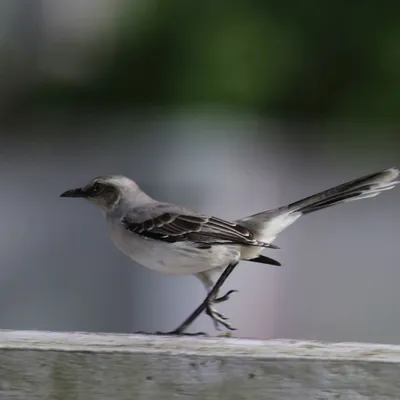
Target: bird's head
x,y
107,192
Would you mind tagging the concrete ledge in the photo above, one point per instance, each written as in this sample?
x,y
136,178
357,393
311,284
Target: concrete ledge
x,y
81,366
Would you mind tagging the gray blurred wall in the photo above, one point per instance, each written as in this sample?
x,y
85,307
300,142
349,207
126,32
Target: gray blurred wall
x,y
59,270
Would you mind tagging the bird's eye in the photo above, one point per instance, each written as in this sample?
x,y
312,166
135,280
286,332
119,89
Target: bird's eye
x,y
97,188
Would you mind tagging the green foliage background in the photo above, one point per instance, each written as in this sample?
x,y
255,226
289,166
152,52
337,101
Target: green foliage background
x,y
290,60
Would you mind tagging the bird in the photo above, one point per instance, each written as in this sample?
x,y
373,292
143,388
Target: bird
x,y
175,240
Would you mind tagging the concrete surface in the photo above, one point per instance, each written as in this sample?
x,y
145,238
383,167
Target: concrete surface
x,y
81,366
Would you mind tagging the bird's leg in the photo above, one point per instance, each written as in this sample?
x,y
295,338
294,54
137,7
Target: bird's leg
x,y
206,304
208,278
218,319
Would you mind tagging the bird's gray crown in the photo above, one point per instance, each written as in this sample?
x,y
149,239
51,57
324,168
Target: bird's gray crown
x,y
110,191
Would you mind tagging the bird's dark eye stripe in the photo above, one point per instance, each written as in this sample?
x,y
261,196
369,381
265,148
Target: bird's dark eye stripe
x,y
97,188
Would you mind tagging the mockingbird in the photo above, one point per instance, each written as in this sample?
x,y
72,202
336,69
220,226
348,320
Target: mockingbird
x,y
174,240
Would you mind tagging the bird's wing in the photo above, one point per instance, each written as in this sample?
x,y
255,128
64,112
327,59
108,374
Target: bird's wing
x,y
179,226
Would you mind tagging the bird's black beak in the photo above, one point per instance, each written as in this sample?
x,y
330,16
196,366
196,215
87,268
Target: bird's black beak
x,y
79,192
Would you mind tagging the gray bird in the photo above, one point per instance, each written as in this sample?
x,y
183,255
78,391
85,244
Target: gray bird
x,y
174,240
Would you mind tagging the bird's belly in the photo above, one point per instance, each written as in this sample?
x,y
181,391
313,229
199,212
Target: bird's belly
x,y
172,258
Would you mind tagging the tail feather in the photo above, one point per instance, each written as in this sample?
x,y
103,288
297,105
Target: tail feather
x,y
268,224
357,189
265,260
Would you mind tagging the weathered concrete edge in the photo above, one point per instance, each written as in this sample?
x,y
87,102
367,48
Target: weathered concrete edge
x,y
202,346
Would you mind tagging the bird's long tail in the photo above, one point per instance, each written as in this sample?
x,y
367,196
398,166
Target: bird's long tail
x,y
361,188
270,223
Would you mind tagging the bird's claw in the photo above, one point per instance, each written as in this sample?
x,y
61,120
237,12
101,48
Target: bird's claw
x,y
225,297
178,332
216,316
218,319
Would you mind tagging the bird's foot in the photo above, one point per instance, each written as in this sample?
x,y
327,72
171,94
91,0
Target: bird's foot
x,y
225,297
176,332
218,318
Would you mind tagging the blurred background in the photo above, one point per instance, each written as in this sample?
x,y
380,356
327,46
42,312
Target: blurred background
x,y
225,109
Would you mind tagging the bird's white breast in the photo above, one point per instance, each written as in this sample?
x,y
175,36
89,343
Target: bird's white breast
x,y
179,258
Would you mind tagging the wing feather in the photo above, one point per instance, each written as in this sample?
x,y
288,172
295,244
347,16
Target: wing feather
x,y
200,229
